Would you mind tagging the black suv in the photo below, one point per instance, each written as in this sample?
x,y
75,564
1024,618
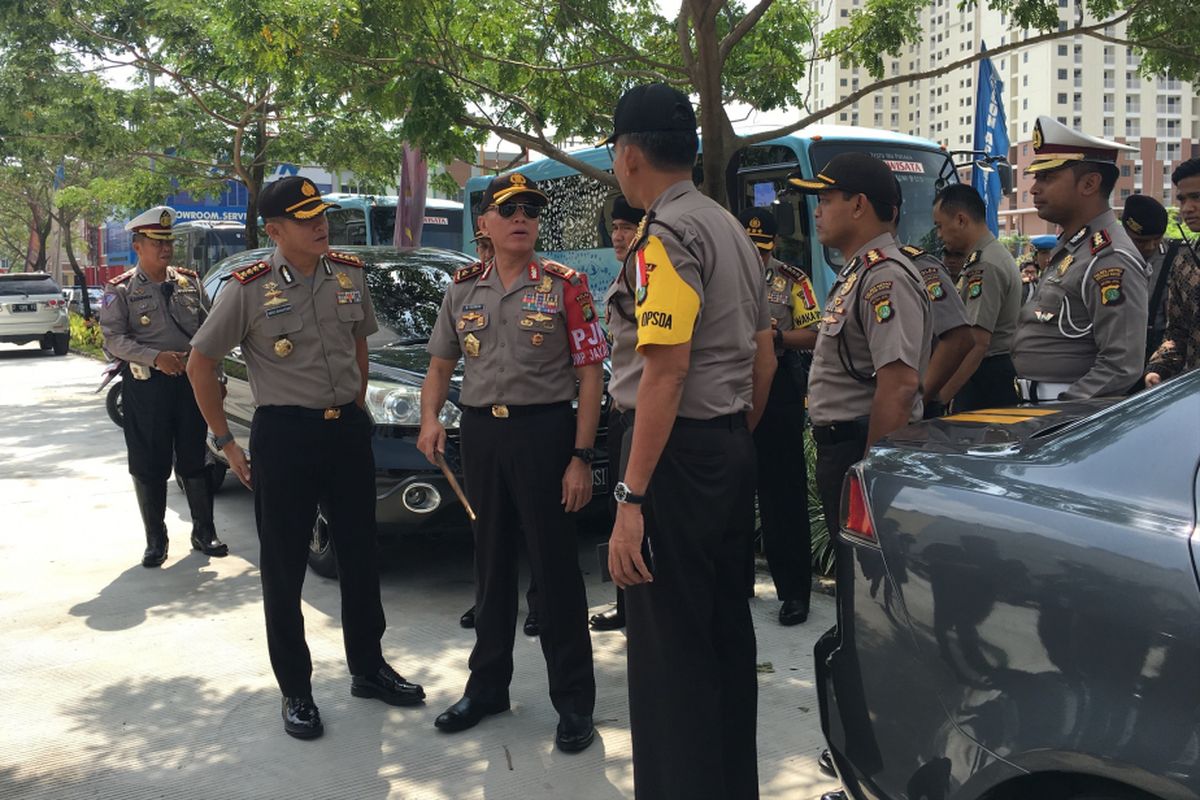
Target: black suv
x,y
411,495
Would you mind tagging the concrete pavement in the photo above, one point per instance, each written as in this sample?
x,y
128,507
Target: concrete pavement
x,y
123,682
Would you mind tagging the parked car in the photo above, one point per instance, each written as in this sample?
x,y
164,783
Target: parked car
x,y
32,309
411,494
1018,607
74,295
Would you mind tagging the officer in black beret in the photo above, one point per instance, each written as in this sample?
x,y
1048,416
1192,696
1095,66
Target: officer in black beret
x,y
1145,220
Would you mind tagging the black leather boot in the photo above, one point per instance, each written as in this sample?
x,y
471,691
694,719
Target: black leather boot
x,y
200,502
152,502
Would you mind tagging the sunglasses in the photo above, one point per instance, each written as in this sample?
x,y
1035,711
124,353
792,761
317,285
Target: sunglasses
x,y
530,210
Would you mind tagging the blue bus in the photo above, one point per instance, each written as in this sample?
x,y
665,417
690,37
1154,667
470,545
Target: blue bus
x,y
575,229
365,219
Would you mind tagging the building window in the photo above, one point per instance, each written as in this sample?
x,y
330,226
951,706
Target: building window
x,y
1062,98
1062,49
1062,74
1125,171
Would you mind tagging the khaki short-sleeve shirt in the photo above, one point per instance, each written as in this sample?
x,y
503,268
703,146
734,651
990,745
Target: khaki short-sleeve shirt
x,y
991,292
298,336
877,312
519,344
944,303
141,318
1086,323
699,278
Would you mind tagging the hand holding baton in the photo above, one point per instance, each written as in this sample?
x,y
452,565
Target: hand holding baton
x,y
462,497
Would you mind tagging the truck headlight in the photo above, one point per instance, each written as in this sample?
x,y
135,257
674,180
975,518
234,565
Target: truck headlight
x,y
400,404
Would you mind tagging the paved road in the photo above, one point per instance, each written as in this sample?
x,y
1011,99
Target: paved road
x,y
122,682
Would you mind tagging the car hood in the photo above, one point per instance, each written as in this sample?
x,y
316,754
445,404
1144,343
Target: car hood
x,y
997,426
406,361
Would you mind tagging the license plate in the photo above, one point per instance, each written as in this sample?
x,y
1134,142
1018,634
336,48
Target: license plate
x,y
23,307
600,479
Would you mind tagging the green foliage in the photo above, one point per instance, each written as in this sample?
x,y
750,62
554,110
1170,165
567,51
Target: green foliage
x,y
1175,227
86,337
1016,244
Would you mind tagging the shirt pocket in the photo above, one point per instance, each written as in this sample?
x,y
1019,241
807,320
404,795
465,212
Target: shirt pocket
x,y
350,312
282,324
145,306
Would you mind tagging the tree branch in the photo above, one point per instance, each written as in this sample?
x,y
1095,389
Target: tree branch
x,y
744,26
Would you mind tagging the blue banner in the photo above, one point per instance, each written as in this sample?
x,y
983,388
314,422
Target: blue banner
x,y
991,139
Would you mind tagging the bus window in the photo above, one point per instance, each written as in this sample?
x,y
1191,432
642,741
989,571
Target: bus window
x,y
575,215
760,190
347,226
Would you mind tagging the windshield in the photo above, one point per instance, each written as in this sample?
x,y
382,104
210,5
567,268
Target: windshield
x,y
921,172
21,285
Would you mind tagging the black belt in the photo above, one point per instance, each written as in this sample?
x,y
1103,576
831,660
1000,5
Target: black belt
x,y
838,432
731,422
330,413
501,411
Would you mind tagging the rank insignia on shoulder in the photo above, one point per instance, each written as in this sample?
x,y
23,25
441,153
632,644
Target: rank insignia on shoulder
x,y
252,272
912,251
344,258
973,259
122,278
561,271
1100,240
1079,236
191,273
797,275
468,272
875,256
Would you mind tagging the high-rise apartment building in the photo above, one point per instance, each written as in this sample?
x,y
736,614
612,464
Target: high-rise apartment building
x,y
1084,82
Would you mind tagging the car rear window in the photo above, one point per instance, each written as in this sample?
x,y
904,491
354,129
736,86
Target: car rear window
x,y
21,285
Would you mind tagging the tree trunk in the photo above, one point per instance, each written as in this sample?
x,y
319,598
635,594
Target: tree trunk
x,y
258,173
41,232
80,279
715,129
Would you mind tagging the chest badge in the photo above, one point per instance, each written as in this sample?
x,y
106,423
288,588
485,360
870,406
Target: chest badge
x,y
546,284
851,279
273,294
284,347
1065,264
144,319
537,339
471,345
344,281
1043,316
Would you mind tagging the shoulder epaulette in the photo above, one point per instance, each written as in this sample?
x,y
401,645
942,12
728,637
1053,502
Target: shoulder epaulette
x,y
191,273
124,276
973,258
561,271
876,256
252,272
349,259
1100,240
912,251
468,272
795,273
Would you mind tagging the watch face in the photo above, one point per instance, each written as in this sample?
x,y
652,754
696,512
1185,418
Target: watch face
x,y
620,492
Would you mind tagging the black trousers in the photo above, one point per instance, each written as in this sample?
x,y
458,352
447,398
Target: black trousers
x,y
300,460
783,490
163,427
834,459
992,386
513,470
693,688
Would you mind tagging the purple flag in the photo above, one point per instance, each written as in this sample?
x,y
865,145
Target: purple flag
x,y
410,208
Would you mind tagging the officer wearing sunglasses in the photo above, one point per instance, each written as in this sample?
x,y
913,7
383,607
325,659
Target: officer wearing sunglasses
x,y
527,330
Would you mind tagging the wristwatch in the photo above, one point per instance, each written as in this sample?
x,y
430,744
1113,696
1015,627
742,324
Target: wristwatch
x,y
623,494
219,442
585,454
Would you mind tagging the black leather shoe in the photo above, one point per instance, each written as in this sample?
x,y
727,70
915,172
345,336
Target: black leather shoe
x,y
793,612
467,713
301,718
575,732
467,620
838,795
388,686
825,764
200,504
532,628
611,620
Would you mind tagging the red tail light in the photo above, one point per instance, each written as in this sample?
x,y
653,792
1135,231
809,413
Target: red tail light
x,y
856,518
56,303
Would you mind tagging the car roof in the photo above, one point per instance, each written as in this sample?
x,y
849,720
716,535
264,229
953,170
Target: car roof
x,y
428,257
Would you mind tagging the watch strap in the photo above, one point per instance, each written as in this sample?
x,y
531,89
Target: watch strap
x,y
219,442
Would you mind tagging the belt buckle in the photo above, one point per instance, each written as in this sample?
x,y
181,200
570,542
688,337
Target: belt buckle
x,y
333,413
500,411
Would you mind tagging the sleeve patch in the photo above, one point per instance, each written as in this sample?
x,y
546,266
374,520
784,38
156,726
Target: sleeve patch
x,y
587,341
667,305
877,289
805,312
1109,280
883,309
974,286
252,272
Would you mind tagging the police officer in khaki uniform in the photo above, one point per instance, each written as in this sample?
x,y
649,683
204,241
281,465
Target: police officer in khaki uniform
x,y
625,222
526,329
699,374
148,315
874,341
302,318
1083,334
779,436
991,292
